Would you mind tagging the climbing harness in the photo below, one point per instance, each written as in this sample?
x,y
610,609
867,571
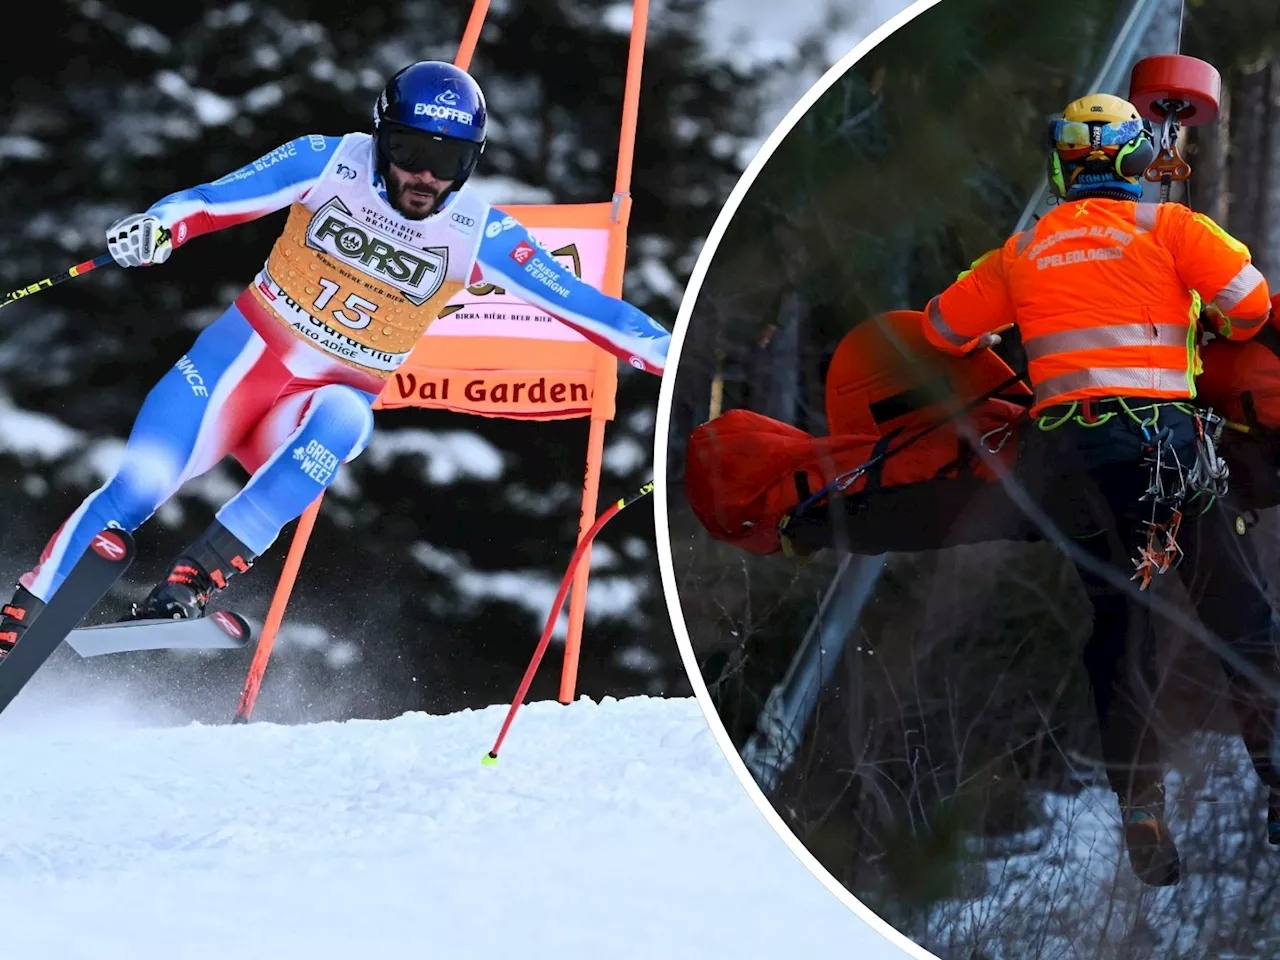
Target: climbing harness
x,y
1172,486
1210,474
1167,493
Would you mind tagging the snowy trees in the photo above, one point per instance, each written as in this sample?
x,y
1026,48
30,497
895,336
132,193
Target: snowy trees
x,y
436,556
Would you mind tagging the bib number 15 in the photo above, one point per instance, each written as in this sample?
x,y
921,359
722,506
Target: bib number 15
x,y
360,307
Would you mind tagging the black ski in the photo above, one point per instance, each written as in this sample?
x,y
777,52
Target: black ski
x,y
108,557
219,630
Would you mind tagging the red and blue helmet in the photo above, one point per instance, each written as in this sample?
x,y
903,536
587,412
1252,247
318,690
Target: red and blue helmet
x,y
431,116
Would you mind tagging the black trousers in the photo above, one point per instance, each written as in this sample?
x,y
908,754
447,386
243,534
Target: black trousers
x,y
1091,480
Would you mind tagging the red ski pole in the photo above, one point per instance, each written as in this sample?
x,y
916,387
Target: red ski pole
x,y
615,508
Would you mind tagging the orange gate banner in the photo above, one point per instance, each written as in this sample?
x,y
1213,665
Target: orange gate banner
x,y
494,355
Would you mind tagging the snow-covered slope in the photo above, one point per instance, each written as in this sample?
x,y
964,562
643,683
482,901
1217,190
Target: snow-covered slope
x,y
606,830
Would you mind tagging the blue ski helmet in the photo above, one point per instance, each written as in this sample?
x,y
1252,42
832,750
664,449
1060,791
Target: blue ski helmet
x,y
431,116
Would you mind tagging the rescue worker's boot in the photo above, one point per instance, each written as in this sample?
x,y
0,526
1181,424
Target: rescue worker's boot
x,y
16,616
203,569
1152,853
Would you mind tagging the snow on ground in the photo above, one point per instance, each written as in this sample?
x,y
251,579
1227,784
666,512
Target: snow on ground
x,y
614,829
1066,890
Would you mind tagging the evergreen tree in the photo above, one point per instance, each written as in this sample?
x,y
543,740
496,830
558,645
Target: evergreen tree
x,y
436,556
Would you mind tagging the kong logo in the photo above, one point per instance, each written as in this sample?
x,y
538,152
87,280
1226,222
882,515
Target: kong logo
x,y
109,546
417,274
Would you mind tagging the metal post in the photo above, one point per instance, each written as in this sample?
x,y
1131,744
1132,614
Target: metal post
x,y
791,704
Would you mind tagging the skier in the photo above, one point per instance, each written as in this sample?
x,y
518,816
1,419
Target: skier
x,y
382,232
1103,290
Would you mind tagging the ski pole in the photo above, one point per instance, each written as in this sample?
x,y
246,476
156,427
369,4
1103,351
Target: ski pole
x,y
78,270
490,758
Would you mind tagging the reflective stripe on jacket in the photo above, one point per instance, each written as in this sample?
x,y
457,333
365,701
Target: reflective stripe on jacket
x,y
1106,295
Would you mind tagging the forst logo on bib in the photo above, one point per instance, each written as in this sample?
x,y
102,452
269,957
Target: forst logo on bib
x,y
417,274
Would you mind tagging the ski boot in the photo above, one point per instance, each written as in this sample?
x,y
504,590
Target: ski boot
x,y
16,616
201,570
1152,853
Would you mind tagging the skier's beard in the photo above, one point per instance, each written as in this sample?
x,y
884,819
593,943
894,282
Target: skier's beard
x,y
415,196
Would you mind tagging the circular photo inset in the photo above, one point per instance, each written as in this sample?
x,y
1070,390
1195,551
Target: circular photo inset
x,y
969,474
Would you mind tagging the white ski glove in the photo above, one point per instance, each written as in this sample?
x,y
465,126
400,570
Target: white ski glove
x,y
139,240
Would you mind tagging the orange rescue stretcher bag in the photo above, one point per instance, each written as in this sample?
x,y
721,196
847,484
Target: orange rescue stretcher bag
x,y
1240,381
906,424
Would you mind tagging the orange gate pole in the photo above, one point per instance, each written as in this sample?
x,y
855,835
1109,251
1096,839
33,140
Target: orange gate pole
x,y
615,267
275,614
471,35
298,546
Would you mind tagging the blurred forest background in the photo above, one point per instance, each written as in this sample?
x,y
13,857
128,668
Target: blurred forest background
x,y
947,775
436,556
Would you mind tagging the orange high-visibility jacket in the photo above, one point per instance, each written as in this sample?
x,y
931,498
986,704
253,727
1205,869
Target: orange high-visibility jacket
x,y
1106,295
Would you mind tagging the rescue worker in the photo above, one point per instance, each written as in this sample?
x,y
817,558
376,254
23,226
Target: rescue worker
x,y
1105,291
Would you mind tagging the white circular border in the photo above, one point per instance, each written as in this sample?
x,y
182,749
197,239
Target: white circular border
x,y
661,431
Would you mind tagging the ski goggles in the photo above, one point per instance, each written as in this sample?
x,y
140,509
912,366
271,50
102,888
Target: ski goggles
x,y
416,151
1076,138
